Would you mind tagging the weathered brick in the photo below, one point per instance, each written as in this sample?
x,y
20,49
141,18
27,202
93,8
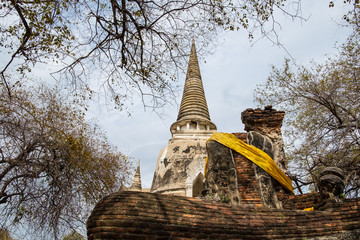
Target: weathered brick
x,y
216,220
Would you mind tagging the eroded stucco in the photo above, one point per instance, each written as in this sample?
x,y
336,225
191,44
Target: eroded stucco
x,y
178,165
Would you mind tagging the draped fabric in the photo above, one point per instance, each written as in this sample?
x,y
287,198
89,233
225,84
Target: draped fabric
x,y
257,156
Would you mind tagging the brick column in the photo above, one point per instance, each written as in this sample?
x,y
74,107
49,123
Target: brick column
x,y
267,122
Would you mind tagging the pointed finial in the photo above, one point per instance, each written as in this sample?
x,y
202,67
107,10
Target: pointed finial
x,y
193,66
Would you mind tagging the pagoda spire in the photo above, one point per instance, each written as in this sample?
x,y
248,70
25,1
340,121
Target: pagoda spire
x,y
136,183
193,105
180,164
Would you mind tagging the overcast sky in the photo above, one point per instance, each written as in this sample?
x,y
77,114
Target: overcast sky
x,y
230,76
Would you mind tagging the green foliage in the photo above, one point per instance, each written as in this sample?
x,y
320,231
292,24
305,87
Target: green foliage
x,y
224,198
322,105
54,166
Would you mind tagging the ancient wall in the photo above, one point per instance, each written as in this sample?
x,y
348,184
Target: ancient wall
x,y
248,186
231,177
300,202
221,182
239,200
178,165
136,215
268,122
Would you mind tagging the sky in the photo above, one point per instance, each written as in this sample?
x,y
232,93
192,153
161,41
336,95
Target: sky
x,y
229,76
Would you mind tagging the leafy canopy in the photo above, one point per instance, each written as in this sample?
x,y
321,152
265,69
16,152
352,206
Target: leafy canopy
x,y
53,164
121,47
322,104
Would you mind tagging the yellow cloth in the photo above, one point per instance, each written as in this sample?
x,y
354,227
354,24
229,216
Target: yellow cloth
x,y
257,156
309,209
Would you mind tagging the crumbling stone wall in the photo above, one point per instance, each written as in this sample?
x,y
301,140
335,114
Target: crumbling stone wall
x,y
221,178
233,178
248,187
331,187
137,215
253,185
266,182
268,122
178,165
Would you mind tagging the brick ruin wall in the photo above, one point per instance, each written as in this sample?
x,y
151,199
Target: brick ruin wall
x,y
254,185
247,183
136,215
267,122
